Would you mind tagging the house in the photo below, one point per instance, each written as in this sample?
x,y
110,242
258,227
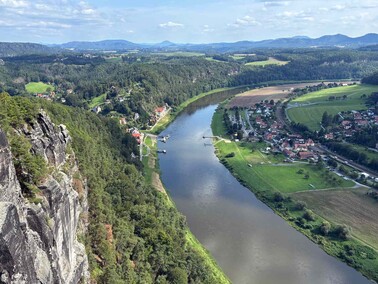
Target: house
x,y
310,142
346,124
137,135
122,121
376,120
329,136
357,116
300,146
305,155
259,120
263,125
97,109
160,111
288,153
268,136
285,145
362,122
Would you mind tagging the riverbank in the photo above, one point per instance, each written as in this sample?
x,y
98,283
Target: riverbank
x,y
170,116
276,185
152,176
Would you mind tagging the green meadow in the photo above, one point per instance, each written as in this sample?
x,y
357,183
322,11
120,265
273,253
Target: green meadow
x,y
270,61
38,87
308,109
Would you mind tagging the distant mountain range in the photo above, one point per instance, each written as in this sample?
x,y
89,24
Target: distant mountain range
x,y
338,40
21,48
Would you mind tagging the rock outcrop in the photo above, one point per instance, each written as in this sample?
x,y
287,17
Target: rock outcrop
x,y
38,242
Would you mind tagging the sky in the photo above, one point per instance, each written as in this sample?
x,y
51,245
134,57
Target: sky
x,y
194,21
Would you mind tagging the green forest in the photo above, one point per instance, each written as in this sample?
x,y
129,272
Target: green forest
x,y
150,243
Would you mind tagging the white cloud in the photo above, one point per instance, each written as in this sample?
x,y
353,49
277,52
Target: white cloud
x,y
339,7
245,22
13,3
276,3
207,29
171,25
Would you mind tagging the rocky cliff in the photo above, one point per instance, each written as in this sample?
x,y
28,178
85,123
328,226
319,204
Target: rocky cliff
x,y
39,240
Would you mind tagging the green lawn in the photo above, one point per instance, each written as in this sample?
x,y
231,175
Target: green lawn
x,y
217,124
269,173
271,61
313,105
38,87
97,101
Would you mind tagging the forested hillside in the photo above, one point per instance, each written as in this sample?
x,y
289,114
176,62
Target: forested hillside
x,y
134,235
142,85
23,48
313,65
372,79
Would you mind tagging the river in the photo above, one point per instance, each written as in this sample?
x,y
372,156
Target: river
x,y
249,242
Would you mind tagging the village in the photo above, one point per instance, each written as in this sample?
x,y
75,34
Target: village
x,y
260,124
345,124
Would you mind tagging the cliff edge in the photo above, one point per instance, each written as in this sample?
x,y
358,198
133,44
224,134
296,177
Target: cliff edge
x,y
39,240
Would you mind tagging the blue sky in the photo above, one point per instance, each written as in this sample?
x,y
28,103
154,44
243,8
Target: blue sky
x,y
195,21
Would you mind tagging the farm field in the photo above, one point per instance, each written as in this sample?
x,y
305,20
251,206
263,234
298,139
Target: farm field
x,y
270,61
308,109
267,172
249,98
351,207
38,87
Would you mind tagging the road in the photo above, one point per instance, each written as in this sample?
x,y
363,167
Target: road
x,y
345,161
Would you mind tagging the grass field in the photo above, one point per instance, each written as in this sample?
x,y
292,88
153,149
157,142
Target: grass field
x,y
180,53
116,59
371,155
268,172
352,207
270,61
308,109
97,101
38,87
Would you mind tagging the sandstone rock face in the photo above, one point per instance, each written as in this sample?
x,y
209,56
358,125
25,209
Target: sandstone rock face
x,y
38,242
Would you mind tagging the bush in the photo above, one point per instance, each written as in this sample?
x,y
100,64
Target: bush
x,y
300,205
325,228
309,215
278,197
342,232
230,155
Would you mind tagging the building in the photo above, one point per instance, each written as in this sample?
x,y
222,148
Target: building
x,y
122,121
305,155
97,109
160,111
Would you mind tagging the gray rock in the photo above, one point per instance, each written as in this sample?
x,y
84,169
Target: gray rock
x,y
38,242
